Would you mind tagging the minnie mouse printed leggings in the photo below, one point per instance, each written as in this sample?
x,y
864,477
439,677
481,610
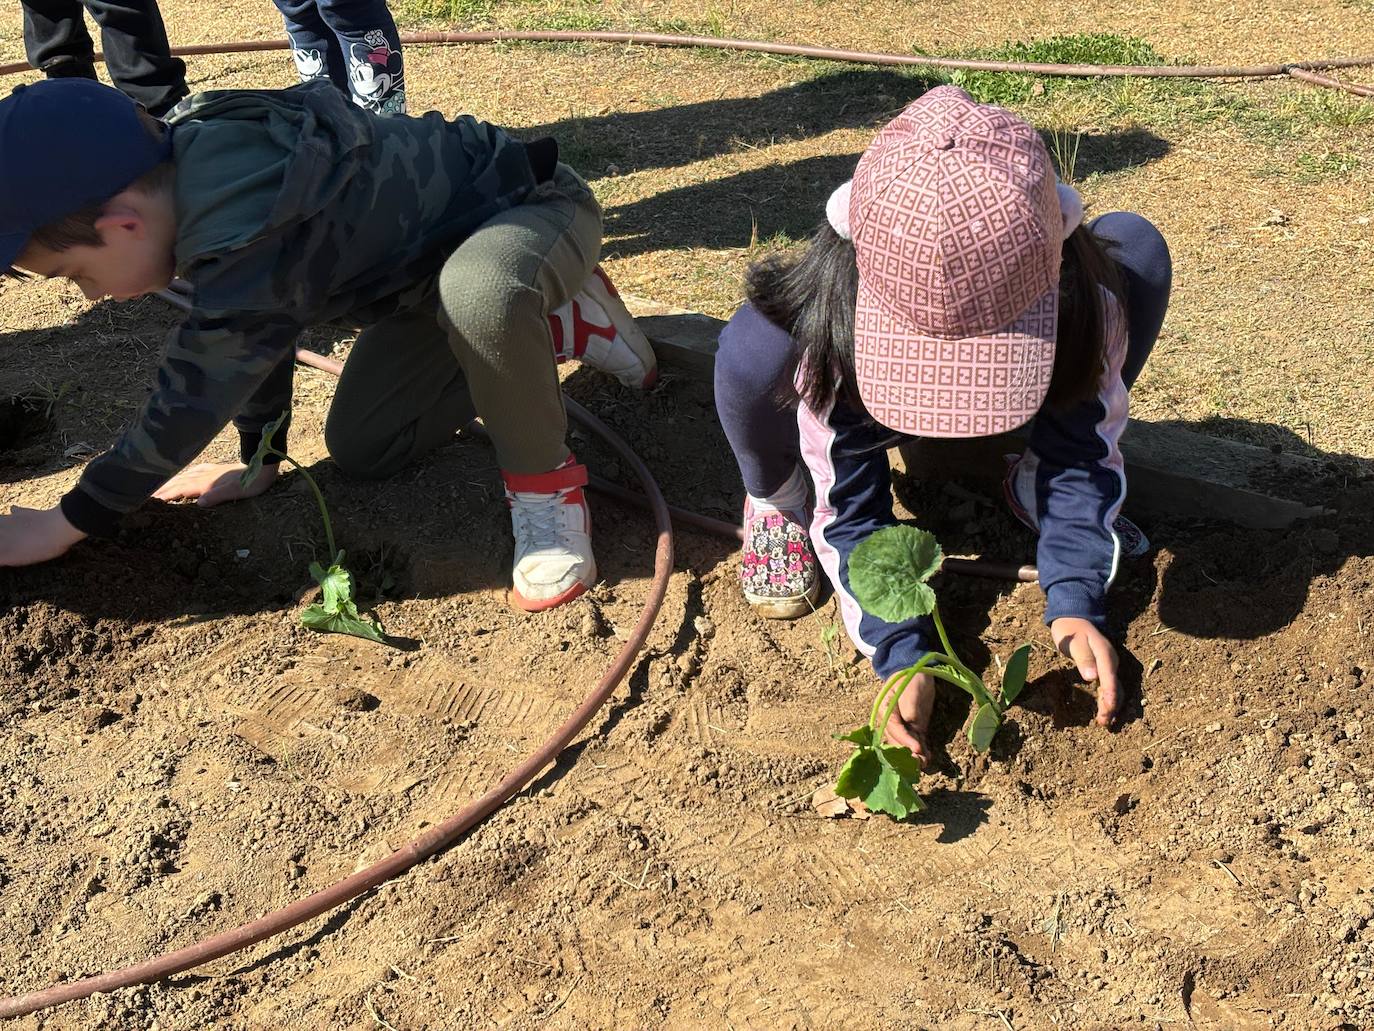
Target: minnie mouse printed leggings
x,y
353,43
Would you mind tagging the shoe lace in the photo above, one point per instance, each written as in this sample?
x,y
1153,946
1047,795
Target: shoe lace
x,y
538,518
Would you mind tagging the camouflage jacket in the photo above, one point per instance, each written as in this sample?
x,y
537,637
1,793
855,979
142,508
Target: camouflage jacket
x,y
293,207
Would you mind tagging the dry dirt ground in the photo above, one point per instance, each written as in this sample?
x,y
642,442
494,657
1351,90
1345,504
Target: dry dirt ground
x,y
177,755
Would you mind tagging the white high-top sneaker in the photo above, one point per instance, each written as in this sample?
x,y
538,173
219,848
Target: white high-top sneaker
x,y
597,329
553,544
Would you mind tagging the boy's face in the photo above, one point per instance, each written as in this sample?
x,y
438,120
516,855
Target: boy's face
x,y
135,258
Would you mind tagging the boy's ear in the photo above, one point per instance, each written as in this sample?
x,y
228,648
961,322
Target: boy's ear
x,y
118,217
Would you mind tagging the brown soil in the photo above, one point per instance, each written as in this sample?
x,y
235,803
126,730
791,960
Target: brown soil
x,y
177,755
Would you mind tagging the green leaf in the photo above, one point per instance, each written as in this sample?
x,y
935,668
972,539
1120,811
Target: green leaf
x,y
901,759
316,618
264,448
883,779
1014,676
889,569
985,725
336,588
336,612
859,776
861,736
895,793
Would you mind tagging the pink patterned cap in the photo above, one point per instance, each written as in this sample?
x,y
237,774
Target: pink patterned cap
x,y
957,230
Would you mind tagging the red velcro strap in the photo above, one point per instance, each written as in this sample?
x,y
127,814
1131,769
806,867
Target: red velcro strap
x,y
546,483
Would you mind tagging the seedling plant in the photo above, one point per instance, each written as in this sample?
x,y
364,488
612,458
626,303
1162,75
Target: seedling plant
x,y
888,574
336,612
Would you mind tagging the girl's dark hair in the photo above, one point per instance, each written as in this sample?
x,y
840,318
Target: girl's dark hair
x,y
1086,269
812,297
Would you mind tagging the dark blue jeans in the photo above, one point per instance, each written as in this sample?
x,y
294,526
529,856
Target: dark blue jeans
x,y
132,36
353,43
762,430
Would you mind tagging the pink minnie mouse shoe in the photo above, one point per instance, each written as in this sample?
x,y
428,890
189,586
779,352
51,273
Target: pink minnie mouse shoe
x,y
778,568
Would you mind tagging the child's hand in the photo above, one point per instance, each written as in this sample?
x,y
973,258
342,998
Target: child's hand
x,y
29,535
1095,658
213,482
910,722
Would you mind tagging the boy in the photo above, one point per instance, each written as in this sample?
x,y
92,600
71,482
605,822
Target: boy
x,y
468,256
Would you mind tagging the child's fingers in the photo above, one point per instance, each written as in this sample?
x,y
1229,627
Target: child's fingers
x,y
189,483
1081,652
900,734
225,488
172,490
1108,690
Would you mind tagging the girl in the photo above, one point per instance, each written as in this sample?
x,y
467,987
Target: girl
x,y
952,292
354,44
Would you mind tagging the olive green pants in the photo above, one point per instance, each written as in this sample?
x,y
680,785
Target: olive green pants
x,y
485,349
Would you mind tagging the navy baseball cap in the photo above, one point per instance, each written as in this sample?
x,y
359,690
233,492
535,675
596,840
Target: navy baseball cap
x,y
66,144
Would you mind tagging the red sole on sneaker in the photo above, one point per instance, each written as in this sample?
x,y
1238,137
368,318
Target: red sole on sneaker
x,y
539,605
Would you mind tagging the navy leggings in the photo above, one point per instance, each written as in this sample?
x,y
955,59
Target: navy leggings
x,y
762,431
353,43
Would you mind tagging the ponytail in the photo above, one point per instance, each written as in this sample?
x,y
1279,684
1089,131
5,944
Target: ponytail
x,y
812,297
1080,352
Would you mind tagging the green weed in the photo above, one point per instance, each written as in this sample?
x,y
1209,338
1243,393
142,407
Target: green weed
x,y
1326,165
1011,88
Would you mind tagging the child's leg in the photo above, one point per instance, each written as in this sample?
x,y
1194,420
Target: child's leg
x,y
496,291
1141,251
137,53
755,363
56,41
314,48
754,366
401,395
371,49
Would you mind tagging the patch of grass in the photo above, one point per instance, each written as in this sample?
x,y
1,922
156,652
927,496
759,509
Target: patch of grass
x,y
409,11
587,20
1326,165
593,19
542,16
1012,88
1306,108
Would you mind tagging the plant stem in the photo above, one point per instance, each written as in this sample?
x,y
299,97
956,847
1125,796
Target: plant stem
x,y
888,684
319,499
880,728
957,674
975,685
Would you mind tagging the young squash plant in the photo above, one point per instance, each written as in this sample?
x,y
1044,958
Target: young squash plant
x,y
336,612
888,575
